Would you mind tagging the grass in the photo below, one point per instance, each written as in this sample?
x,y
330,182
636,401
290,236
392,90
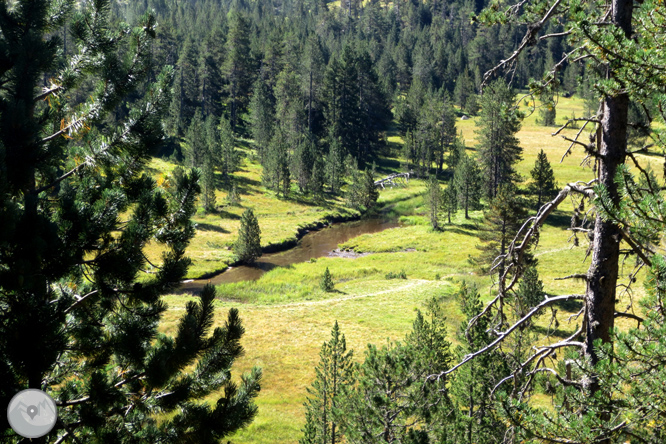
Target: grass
x,y
279,219
287,317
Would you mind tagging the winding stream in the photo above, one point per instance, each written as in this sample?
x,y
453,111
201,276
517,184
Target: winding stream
x,y
313,245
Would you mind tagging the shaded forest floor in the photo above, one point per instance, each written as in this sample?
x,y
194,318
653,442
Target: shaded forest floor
x,y
287,317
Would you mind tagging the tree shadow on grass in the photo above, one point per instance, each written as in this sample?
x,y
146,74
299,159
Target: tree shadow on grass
x,y
385,167
227,215
571,305
552,332
202,226
559,219
308,201
465,231
243,184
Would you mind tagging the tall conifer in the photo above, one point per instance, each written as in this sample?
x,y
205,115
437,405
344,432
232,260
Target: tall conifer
x,y
332,374
543,179
499,148
467,182
80,303
434,199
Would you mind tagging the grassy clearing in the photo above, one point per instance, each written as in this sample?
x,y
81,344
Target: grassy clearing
x,y
279,219
287,316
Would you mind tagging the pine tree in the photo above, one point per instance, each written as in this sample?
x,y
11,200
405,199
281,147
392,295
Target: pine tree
x,y
501,222
464,93
187,87
456,153
362,192
547,112
210,63
276,173
434,200
356,110
248,244
289,107
467,182
498,146
317,179
197,152
80,306
471,386
326,282
543,185
394,400
233,197
334,165
447,136
312,80
529,293
237,69
450,199
208,186
228,158
262,116
302,163
332,374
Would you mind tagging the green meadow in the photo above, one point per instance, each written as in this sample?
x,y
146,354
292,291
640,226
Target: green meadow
x,y
287,317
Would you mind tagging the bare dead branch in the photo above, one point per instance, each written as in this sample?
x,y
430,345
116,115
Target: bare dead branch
x,y
59,179
577,119
580,230
62,438
531,33
572,276
532,225
545,303
47,92
74,402
582,128
577,315
636,248
556,34
528,231
577,142
620,314
81,300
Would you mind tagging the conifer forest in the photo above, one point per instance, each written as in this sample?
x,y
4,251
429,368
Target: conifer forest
x,y
348,221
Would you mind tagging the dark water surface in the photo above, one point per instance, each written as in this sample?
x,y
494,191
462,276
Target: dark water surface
x,y
313,245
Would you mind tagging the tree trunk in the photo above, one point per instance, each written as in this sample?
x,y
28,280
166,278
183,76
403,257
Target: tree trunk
x,y
466,201
310,106
603,272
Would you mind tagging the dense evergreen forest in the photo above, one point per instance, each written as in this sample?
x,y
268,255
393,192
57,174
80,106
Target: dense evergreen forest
x,y
94,239
316,85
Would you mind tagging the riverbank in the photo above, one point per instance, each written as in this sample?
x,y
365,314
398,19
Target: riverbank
x,y
314,244
289,242
282,221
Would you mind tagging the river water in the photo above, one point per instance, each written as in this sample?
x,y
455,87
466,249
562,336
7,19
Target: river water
x,y
313,245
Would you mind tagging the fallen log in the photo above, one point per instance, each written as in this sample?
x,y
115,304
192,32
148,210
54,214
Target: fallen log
x,y
399,179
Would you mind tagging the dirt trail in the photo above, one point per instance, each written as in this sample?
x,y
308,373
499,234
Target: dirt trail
x,y
412,283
